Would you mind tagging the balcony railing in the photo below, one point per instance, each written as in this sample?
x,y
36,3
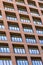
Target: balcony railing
x,y
9,0
28,30
4,49
30,40
22,62
14,28
41,0
9,8
37,62
19,50
2,26
0,16
11,18
39,32
25,20
41,41
20,1
31,4
34,51
33,13
16,39
22,11
5,61
3,37
36,22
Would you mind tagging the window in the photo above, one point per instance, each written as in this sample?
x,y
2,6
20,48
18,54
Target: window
x,y
25,19
19,50
33,50
4,49
13,27
5,61
27,28
30,39
22,62
16,38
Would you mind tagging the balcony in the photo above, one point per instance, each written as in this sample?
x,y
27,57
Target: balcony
x,y
16,38
33,50
4,49
5,61
37,21
42,12
3,37
39,30
9,0
8,6
37,62
22,62
1,25
31,3
42,49
0,15
22,9
27,28
13,27
19,50
41,0
25,19
34,12
20,1
41,40
11,16
41,6
30,39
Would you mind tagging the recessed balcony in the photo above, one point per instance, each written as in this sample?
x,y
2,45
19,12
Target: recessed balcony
x,y
11,16
16,38
34,12
19,49
30,39
27,28
22,9
13,27
8,6
24,19
33,50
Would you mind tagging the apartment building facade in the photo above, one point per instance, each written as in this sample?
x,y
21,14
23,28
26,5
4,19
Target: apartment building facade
x,y
21,32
